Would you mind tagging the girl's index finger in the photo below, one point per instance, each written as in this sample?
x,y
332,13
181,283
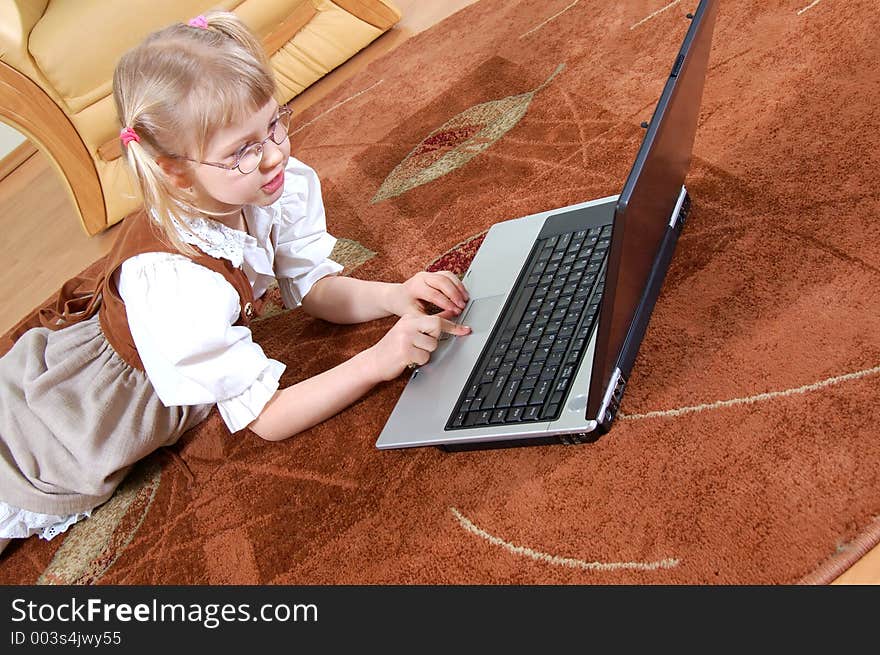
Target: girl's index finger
x,y
453,328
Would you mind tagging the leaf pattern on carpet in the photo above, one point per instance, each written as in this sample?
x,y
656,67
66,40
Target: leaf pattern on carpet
x,y
456,142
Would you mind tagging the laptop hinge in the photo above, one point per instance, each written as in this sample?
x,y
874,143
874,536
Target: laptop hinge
x,y
676,213
611,399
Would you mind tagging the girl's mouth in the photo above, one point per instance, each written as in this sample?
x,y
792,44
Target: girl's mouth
x,y
274,184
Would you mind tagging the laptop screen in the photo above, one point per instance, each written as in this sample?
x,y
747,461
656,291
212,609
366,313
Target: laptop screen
x,y
649,196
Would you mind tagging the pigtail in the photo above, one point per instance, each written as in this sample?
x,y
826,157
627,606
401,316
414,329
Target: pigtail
x,y
158,194
138,144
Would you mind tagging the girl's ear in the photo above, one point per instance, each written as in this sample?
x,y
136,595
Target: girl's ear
x,y
177,171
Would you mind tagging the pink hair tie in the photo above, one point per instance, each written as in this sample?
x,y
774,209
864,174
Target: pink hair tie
x,y
199,21
127,135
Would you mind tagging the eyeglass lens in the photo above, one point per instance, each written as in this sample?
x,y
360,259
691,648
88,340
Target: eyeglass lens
x,y
250,159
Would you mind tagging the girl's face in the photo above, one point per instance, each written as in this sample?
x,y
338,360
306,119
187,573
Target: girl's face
x,y
226,191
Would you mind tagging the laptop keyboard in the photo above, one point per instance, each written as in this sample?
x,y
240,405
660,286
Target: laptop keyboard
x,y
533,354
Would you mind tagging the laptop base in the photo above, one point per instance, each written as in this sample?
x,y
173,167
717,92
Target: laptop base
x,y
573,439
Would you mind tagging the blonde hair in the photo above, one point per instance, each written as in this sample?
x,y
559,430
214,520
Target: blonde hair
x,y
175,90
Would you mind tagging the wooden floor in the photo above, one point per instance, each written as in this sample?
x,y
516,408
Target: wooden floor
x,y
43,243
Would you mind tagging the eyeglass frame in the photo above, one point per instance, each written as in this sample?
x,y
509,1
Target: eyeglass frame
x,y
282,111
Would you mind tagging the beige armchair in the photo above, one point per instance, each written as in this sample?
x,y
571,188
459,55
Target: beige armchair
x,y
57,59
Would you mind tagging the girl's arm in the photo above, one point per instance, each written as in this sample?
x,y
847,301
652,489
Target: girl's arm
x,y
307,403
348,300
296,408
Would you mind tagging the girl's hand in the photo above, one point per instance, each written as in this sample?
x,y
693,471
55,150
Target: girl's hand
x,y
442,289
409,343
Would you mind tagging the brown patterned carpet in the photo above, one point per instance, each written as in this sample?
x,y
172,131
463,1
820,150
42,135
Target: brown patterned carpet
x,y
747,452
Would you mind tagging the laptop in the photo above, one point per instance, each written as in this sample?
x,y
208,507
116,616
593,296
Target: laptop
x,y
560,300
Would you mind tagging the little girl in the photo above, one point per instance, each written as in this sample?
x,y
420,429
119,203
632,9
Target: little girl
x,y
127,363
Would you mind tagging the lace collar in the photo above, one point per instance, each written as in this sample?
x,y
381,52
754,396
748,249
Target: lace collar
x,y
214,238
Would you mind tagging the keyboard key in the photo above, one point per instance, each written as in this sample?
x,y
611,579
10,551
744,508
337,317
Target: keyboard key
x,y
549,372
529,382
522,397
514,414
531,413
476,418
571,318
498,416
495,392
524,328
541,354
550,411
458,421
509,394
541,391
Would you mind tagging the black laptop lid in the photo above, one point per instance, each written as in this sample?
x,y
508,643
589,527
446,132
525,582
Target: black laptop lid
x,y
649,196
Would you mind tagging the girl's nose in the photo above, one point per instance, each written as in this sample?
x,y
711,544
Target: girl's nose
x,y
272,155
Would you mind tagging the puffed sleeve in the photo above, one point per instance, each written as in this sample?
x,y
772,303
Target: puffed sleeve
x,y
303,245
181,318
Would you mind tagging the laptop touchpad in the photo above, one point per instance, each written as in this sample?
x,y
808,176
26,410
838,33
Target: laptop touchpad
x,y
480,315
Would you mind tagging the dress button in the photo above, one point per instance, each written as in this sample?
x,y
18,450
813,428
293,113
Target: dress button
x,y
248,310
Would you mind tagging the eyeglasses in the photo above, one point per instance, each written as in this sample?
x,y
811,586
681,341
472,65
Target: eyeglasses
x,y
248,158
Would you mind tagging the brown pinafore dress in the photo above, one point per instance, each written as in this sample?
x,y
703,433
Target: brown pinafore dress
x,y
77,408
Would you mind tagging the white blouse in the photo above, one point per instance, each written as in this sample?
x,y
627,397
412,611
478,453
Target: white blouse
x,y
181,315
